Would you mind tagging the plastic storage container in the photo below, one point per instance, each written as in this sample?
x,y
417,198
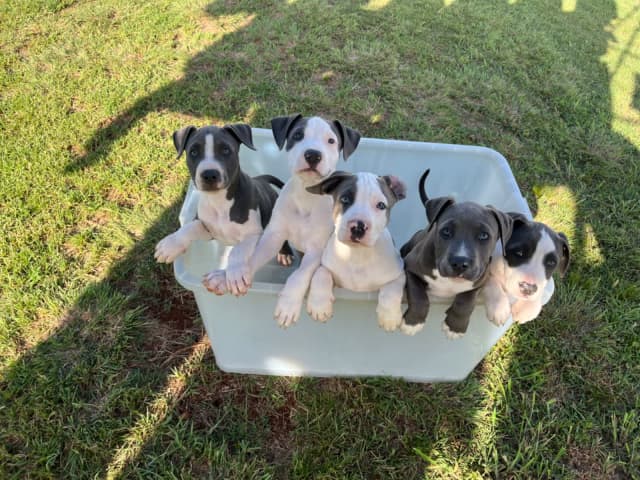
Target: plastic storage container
x,y
245,337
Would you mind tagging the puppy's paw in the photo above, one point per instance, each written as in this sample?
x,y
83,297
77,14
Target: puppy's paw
x,y
238,279
320,306
411,329
498,313
285,259
215,282
169,248
389,318
287,311
450,334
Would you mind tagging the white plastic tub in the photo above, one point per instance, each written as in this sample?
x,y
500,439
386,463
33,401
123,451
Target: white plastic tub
x,y
245,337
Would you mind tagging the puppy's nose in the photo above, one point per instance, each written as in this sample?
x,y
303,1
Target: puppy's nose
x,y
358,229
210,176
527,288
312,157
459,264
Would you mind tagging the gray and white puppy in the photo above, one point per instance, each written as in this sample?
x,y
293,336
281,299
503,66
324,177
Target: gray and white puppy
x,y
518,281
233,208
360,254
313,147
450,258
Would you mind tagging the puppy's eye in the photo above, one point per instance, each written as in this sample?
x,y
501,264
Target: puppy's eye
x,y
445,232
381,206
226,150
193,152
483,236
519,253
332,141
551,263
298,135
345,199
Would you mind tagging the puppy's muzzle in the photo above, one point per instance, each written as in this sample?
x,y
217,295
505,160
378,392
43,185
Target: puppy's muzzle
x,y
313,158
210,179
459,265
527,289
358,230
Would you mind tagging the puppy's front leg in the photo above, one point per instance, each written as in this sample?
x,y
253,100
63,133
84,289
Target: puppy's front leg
x,y
290,300
526,310
389,308
496,302
320,299
418,301
458,314
267,247
175,244
238,273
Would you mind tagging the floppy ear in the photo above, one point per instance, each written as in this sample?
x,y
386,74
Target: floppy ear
x,y
242,133
347,137
566,256
281,126
435,207
181,137
519,219
397,186
505,226
329,184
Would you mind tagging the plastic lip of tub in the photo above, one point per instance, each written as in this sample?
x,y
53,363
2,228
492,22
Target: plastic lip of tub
x,y
246,339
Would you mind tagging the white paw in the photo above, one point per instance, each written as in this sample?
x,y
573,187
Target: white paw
x,y
320,307
451,335
169,248
287,311
216,282
238,279
389,318
284,259
524,311
499,313
411,329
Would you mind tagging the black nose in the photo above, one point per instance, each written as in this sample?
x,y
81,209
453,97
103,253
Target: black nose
x,y
528,288
358,230
210,176
459,264
312,157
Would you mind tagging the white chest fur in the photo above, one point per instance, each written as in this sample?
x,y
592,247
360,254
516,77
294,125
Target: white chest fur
x,y
214,211
363,269
446,287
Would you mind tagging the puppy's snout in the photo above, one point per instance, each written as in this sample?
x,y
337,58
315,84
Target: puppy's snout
x,y
527,288
312,157
459,264
211,176
358,229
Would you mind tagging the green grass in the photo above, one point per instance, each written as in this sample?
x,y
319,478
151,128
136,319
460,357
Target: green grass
x,y
105,371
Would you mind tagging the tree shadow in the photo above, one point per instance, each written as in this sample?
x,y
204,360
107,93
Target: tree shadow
x,y
138,338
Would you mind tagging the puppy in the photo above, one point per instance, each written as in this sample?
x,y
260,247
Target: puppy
x,y
303,218
360,254
518,283
233,208
450,258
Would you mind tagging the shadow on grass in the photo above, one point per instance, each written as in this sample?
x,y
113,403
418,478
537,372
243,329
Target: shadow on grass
x,y
138,393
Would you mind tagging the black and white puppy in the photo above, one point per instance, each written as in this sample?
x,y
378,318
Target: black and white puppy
x,y
233,208
360,254
450,258
518,281
303,218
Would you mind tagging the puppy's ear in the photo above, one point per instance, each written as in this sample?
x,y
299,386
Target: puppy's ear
x,y
281,126
347,137
329,184
565,257
435,207
181,137
242,133
397,186
505,225
519,219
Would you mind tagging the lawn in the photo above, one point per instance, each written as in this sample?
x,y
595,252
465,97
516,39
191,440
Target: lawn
x,y
105,370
